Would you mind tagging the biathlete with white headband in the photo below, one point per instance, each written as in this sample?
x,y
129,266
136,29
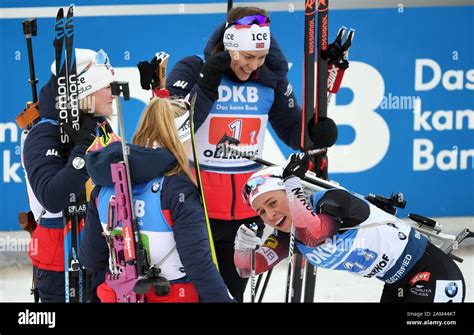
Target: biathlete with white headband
x,y
167,204
241,85
339,231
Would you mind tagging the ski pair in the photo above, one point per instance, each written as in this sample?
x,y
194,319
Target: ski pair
x,y
331,62
312,106
77,280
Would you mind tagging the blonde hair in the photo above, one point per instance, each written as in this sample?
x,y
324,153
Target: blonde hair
x,y
86,104
157,125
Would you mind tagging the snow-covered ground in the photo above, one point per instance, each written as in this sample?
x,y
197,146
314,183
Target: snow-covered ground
x,y
331,286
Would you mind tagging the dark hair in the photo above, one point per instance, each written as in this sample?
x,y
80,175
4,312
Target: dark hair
x,y
235,14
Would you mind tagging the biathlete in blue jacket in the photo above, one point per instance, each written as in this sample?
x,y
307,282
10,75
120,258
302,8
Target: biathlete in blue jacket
x,y
341,231
167,205
241,85
52,178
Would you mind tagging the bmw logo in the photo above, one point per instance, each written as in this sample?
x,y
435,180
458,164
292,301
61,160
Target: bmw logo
x,y
401,236
451,289
348,265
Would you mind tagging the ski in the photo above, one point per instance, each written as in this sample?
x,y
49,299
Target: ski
x,y
308,111
74,214
321,166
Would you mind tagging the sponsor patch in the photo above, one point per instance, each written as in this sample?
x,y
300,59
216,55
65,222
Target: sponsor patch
x,y
270,255
448,291
420,276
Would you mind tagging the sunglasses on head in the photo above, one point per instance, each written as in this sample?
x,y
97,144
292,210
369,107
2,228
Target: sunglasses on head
x,y
252,184
249,20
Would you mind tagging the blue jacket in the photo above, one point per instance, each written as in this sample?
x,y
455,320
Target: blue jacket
x,y
285,114
189,229
52,179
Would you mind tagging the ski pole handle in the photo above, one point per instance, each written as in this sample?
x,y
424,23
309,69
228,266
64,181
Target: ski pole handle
x,y
120,87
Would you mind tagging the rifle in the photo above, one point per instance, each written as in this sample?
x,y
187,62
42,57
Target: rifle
x,y
131,274
26,120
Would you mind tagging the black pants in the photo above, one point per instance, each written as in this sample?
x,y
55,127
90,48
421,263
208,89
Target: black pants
x,y
434,278
223,234
51,285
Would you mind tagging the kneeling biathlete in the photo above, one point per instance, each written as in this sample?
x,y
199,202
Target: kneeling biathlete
x,y
341,231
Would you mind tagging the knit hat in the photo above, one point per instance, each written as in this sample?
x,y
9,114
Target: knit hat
x,y
249,33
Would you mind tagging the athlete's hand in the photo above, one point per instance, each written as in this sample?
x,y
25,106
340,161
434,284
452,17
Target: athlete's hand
x,y
296,165
211,73
86,134
247,238
148,72
324,133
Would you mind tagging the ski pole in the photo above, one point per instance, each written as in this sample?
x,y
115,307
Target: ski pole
x,y
289,287
253,227
317,184
267,279
199,180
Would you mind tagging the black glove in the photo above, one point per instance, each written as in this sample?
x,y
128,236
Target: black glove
x,y
323,134
211,73
296,165
148,73
85,135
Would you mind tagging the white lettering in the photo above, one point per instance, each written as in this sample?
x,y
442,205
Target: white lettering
x,y
10,170
361,116
424,62
11,126
139,208
452,80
